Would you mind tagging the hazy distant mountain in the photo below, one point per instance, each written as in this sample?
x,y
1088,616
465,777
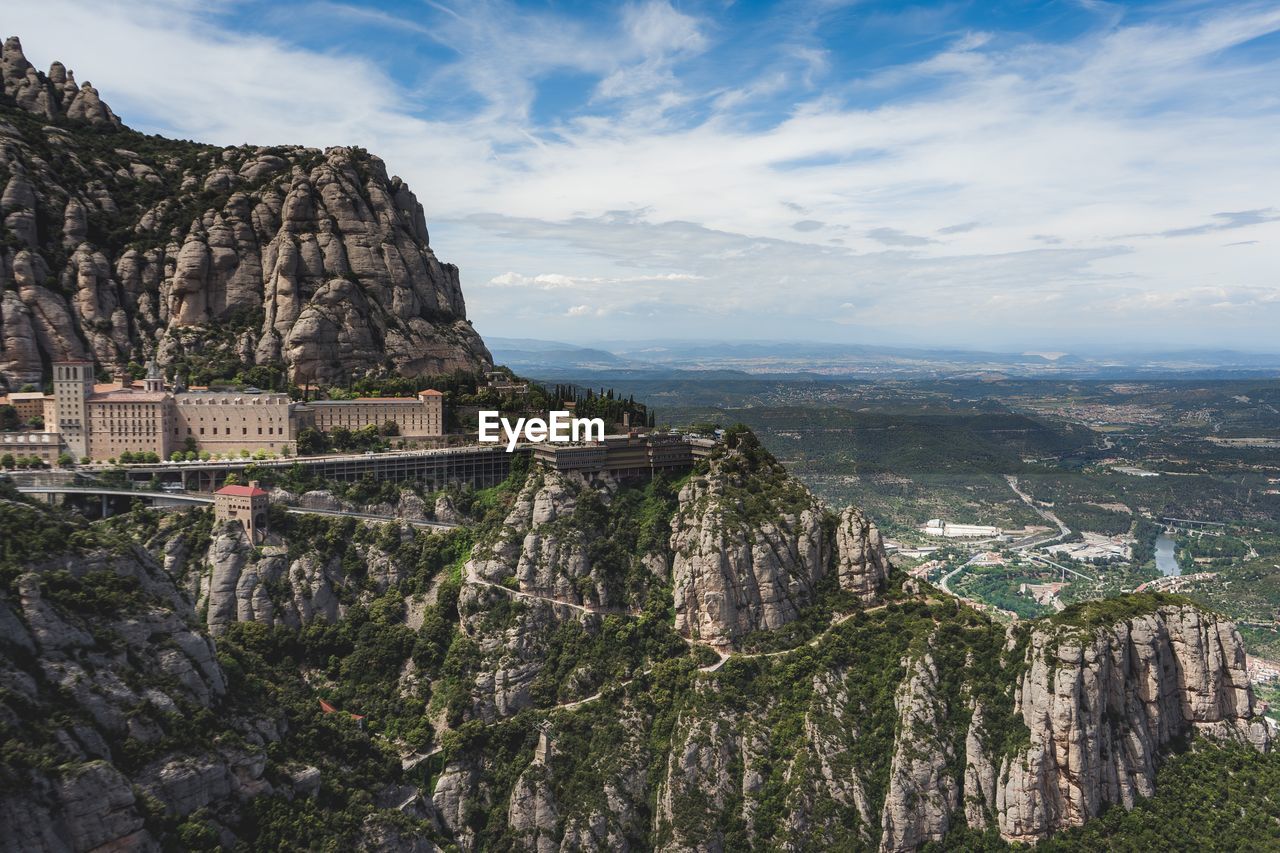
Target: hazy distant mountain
x,y
676,358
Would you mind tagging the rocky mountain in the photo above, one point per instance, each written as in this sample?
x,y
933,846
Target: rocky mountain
x,y
716,662
120,246
708,662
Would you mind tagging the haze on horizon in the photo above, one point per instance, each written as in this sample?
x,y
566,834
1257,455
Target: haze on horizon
x,y
1054,175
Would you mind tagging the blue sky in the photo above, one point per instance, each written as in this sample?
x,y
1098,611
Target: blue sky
x,y
1025,175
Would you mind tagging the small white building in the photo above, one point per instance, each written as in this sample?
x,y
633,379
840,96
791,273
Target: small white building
x,y
947,530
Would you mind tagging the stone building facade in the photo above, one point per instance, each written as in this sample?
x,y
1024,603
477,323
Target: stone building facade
x,y
416,417
45,446
28,404
128,419
102,422
245,504
224,422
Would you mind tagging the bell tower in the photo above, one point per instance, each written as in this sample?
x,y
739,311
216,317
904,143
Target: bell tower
x,y
72,386
155,379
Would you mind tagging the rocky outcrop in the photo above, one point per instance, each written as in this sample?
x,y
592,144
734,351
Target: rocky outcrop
x,y
53,95
922,796
531,810
738,570
317,261
1102,704
828,807
704,782
861,563
540,550
751,544
88,806
96,655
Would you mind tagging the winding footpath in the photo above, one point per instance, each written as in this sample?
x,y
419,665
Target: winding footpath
x,y
723,656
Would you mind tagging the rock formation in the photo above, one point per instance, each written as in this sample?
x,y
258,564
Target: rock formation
x,y
861,563
317,262
125,676
736,571
240,583
922,795
750,546
1102,705
580,718
540,550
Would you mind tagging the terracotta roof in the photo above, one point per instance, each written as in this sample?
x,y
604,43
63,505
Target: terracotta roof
x,y
430,392
242,491
329,709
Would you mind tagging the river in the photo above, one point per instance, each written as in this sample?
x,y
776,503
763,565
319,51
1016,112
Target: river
x,y
1165,561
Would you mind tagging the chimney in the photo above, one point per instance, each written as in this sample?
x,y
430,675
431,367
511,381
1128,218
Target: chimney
x,y
253,484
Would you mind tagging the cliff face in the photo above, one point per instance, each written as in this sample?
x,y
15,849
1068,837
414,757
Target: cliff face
x,y
99,667
539,550
537,654
1102,705
119,246
751,545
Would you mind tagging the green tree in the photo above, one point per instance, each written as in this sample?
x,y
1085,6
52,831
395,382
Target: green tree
x,y
8,462
66,460
312,442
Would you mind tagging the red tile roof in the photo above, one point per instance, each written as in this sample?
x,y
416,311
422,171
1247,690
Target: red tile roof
x,y
242,491
329,709
430,392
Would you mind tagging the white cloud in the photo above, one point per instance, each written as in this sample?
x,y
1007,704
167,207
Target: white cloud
x,y
1021,165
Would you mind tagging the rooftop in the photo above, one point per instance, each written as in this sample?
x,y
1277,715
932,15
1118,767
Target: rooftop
x,y
367,400
242,491
127,395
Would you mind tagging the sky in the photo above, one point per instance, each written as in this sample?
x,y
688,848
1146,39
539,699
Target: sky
x,y
1017,175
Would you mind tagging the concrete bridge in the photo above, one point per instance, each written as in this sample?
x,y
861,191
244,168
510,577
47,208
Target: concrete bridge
x,y
1193,526
175,499
105,495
